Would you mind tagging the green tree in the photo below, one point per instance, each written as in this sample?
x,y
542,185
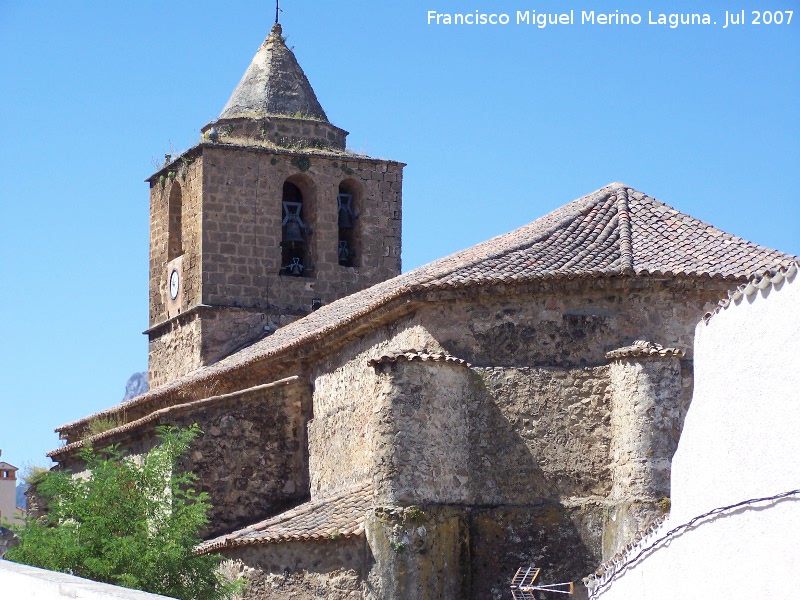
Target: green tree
x,y
127,522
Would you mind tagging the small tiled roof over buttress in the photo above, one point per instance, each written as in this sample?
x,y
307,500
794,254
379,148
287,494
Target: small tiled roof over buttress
x,y
613,232
338,515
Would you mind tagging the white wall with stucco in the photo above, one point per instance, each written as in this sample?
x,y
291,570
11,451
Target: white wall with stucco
x,y
8,495
21,582
741,441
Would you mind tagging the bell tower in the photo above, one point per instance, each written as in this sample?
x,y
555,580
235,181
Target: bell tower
x,y
267,218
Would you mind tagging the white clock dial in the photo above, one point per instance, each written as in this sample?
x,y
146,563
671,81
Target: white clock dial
x,y
174,284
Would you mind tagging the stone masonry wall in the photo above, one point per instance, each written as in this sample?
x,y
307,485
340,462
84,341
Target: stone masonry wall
x,y
522,440
188,177
563,540
341,435
650,398
231,233
286,132
424,552
554,416
646,423
251,458
571,326
437,432
348,396
445,434
418,553
423,449
555,434
520,454
242,190
174,350
521,444
225,331
331,569
203,337
518,448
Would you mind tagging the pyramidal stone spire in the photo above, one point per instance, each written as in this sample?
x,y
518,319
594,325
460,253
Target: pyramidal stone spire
x,y
274,85
275,105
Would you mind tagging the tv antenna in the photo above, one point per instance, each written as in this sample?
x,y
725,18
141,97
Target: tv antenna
x,y
524,586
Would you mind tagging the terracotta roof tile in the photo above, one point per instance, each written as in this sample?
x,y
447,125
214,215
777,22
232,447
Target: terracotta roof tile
x,y
643,348
420,355
614,231
762,281
154,417
667,241
340,514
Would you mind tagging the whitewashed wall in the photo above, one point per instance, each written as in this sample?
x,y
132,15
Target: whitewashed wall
x,y
741,441
8,502
21,582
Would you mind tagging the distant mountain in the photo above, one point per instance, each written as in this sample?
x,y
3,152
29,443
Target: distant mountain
x,y
22,501
137,385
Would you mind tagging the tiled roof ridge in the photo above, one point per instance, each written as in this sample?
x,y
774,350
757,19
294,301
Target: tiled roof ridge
x,y
157,414
763,280
623,214
347,507
466,268
417,355
643,349
553,221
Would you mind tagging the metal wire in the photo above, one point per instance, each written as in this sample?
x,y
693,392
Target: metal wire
x,y
619,567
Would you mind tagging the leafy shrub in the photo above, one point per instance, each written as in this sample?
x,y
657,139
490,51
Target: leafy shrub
x,y
127,522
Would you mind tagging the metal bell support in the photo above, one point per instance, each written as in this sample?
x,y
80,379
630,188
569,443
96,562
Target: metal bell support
x,y
346,215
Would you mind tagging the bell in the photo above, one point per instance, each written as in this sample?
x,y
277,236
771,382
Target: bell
x,y
292,233
344,252
296,268
345,218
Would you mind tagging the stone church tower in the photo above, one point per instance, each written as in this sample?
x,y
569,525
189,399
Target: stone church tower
x,y
266,219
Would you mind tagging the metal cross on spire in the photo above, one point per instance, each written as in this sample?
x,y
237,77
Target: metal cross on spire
x,y
277,9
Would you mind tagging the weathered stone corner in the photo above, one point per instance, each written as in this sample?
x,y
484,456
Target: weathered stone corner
x,y
648,407
419,552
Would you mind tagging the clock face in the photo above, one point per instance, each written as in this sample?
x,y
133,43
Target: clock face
x,y
174,284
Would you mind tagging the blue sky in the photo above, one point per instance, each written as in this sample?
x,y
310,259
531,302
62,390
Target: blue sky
x,y
498,124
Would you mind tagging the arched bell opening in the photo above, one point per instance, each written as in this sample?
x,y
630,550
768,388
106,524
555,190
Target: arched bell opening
x,y
174,222
349,239
297,219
